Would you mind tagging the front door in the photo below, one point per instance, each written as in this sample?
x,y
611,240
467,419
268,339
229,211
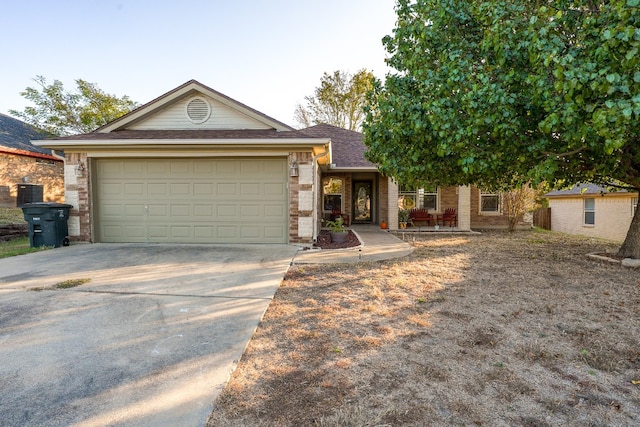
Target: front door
x,y
362,201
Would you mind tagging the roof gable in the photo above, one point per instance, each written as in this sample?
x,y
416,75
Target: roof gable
x,y
347,148
172,111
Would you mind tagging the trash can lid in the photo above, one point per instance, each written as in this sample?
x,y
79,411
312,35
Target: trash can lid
x,y
46,205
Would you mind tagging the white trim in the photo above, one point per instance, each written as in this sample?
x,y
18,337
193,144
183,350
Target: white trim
x,y
167,142
585,211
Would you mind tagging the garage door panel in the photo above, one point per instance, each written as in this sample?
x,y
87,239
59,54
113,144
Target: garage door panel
x,y
227,232
192,200
111,188
275,233
180,210
249,189
133,169
157,189
203,189
226,189
133,210
226,212
274,189
251,232
179,189
274,211
203,211
134,189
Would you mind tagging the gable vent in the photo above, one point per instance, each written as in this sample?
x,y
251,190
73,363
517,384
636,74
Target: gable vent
x,y
198,110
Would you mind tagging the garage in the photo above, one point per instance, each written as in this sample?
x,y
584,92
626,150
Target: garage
x,y
191,200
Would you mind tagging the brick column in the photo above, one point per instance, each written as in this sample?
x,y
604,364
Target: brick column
x,y
464,208
392,205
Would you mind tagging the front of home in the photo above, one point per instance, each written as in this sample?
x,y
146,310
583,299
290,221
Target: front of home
x,y
593,211
27,172
195,166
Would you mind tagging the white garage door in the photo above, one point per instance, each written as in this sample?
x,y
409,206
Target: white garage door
x,y
192,200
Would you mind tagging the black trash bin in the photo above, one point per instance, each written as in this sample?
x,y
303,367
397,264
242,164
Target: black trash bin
x,y
47,223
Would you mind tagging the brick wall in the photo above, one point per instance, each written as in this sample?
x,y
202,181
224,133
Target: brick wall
x,y
301,199
45,172
491,220
77,195
613,215
6,201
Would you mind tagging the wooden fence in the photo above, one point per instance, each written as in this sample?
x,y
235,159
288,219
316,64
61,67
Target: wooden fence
x,y
542,218
11,231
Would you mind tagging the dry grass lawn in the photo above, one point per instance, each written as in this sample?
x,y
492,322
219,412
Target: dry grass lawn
x,y
491,330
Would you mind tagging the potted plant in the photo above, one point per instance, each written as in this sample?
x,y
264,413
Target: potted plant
x,y
337,230
403,217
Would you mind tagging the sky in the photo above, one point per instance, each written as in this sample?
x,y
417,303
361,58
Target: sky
x,y
268,55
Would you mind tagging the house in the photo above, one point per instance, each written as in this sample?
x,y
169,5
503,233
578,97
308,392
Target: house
x,y
26,169
194,165
592,210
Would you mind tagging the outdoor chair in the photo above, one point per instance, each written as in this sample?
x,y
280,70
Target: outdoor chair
x,y
449,216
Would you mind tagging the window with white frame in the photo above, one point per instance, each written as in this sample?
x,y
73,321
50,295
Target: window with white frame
x,y
489,203
634,206
589,211
424,198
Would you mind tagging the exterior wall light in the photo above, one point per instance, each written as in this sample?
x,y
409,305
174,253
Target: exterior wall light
x,y
293,169
80,168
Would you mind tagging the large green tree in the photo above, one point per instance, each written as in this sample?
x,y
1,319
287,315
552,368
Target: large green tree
x,y
338,101
498,93
61,112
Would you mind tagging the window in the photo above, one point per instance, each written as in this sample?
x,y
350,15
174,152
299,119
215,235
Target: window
x,y
589,211
634,206
425,198
489,203
332,194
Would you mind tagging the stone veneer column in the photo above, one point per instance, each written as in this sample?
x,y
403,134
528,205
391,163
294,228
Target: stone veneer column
x,y
392,207
301,199
464,208
305,201
77,195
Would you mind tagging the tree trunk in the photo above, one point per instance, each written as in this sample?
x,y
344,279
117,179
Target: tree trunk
x,y
631,246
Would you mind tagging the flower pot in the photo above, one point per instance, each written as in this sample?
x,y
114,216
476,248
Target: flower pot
x,y
339,236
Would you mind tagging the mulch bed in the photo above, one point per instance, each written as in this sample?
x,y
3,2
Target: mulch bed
x,y
324,241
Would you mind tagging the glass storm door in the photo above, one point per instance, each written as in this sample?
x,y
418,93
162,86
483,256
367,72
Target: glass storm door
x,y
362,201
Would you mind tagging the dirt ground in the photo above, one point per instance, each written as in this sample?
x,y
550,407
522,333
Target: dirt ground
x,y
495,329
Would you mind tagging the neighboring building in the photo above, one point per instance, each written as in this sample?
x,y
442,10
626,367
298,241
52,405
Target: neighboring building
x,y
194,165
24,165
591,210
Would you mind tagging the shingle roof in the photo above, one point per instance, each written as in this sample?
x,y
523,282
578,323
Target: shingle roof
x,y
347,147
186,134
582,189
16,135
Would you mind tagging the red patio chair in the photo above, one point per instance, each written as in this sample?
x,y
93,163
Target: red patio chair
x,y
449,216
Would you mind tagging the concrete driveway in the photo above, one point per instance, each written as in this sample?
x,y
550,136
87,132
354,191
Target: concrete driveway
x,y
150,340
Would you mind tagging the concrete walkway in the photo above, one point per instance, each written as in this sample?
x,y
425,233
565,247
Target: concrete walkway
x,y
377,245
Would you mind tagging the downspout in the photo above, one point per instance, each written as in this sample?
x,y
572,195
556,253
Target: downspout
x,y
316,186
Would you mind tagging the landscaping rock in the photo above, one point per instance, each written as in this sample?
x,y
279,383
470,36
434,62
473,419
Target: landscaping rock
x,y
631,263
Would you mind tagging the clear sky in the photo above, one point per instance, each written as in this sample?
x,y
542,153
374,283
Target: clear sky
x,y
267,54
